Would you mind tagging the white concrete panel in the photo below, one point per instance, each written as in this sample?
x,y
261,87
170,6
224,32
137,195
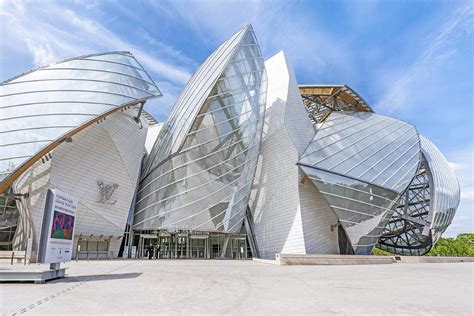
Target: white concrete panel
x,y
151,136
108,152
289,217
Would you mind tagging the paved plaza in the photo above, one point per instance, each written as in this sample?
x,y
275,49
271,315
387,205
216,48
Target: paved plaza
x,y
245,287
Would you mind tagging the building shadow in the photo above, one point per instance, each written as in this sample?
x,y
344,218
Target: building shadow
x,y
96,277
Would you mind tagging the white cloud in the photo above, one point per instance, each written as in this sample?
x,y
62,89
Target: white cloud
x,y
51,32
439,48
279,25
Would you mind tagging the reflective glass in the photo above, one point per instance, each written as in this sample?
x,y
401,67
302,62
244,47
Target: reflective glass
x,y
205,183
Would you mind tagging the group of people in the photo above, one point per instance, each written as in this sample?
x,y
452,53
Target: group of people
x,y
153,251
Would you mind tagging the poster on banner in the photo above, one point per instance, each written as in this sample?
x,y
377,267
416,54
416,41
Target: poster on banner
x,y
57,233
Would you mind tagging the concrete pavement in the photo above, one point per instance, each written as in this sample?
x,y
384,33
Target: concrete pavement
x,y
245,287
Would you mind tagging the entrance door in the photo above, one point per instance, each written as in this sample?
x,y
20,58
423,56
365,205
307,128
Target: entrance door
x,y
198,248
166,247
147,245
182,247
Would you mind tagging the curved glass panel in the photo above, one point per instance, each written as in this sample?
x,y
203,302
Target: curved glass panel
x,y
363,209
366,146
200,170
446,192
37,107
426,208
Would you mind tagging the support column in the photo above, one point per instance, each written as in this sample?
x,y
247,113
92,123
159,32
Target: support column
x,y
224,247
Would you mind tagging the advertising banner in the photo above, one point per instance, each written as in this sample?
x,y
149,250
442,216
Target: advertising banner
x,y
57,234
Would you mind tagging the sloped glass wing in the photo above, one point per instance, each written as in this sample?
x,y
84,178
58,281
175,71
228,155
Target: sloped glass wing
x,y
199,173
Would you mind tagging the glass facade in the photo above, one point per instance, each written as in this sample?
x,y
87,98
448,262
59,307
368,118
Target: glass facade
x,y
426,208
363,209
9,216
361,162
38,107
366,146
200,171
386,184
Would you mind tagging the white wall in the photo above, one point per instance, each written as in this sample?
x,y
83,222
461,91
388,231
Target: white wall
x,y
110,152
289,216
152,135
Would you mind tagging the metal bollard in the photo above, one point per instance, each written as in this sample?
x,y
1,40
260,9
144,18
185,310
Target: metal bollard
x,y
13,255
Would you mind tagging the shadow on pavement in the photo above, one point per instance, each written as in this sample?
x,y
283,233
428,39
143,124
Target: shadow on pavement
x,y
97,277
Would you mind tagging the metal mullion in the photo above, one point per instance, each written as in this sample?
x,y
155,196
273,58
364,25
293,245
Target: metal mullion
x,y
211,140
173,210
407,161
235,76
208,155
110,61
338,131
415,143
352,211
220,58
68,90
330,123
194,188
388,154
357,201
237,213
233,91
220,61
99,70
185,205
414,178
86,80
350,127
221,108
351,188
34,128
29,142
201,211
222,223
353,143
246,59
361,224
59,102
370,144
11,158
48,114
189,162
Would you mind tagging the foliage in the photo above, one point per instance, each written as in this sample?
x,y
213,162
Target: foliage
x,y
462,245
380,252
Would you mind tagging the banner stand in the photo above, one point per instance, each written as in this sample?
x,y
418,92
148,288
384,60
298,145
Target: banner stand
x,y
56,241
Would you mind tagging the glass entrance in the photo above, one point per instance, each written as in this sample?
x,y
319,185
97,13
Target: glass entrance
x,y
148,246
166,247
182,247
198,248
190,245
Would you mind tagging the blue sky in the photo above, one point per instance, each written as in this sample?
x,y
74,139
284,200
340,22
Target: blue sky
x,y
410,59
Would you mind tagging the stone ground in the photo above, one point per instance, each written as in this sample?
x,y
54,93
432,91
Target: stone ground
x,y
245,287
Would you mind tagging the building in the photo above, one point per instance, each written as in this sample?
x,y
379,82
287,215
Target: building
x,y
75,126
193,195
248,162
